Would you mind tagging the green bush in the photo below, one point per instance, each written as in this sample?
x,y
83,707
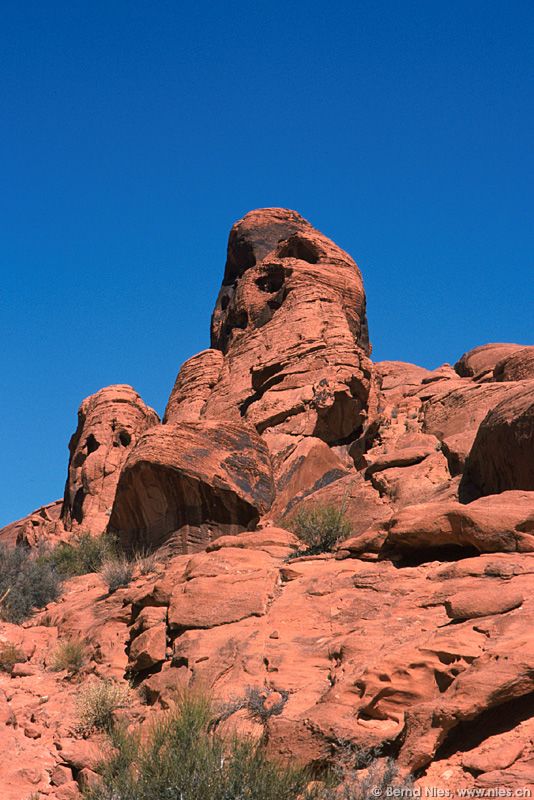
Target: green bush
x,y
70,655
28,580
319,528
82,555
9,656
181,760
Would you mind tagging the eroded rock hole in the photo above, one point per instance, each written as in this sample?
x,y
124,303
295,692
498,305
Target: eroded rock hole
x,y
77,506
124,438
239,321
297,247
271,282
92,444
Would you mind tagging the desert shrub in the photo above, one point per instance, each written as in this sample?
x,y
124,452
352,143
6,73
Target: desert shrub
x,y
96,702
254,701
82,555
181,760
363,775
320,528
27,581
69,655
9,656
116,572
145,562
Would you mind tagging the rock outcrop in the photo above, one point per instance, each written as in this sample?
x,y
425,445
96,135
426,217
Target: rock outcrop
x,y
502,456
190,482
290,320
518,366
480,362
412,637
109,423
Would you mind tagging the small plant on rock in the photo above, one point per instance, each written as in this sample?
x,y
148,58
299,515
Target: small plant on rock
x,y
96,703
319,528
9,656
70,655
145,562
116,572
261,703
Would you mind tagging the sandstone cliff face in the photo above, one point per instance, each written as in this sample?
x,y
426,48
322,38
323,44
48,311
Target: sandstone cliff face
x,y
412,636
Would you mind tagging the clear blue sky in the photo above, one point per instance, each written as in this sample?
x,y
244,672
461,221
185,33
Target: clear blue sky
x,y
135,133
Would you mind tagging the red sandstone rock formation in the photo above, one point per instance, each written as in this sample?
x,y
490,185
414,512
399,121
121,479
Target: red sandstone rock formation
x,y
502,456
109,423
190,482
413,635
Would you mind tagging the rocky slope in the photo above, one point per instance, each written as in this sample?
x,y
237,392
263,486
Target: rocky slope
x,y
414,635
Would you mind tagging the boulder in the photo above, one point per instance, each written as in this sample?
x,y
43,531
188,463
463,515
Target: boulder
x,y
303,468
42,526
480,362
503,523
190,482
518,366
454,417
482,603
502,456
243,581
148,649
109,423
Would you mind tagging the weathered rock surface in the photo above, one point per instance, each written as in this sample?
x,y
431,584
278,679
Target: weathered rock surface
x,y
518,366
190,482
455,415
193,386
290,319
503,523
502,456
42,525
109,423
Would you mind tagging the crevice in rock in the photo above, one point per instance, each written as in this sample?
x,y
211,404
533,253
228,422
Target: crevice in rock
x,y
470,734
420,556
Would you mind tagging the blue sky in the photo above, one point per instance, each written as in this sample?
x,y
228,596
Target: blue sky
x,y
135,133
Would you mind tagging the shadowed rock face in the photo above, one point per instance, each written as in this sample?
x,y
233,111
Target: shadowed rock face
x,y
502,456
190,482
109,423
290,319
